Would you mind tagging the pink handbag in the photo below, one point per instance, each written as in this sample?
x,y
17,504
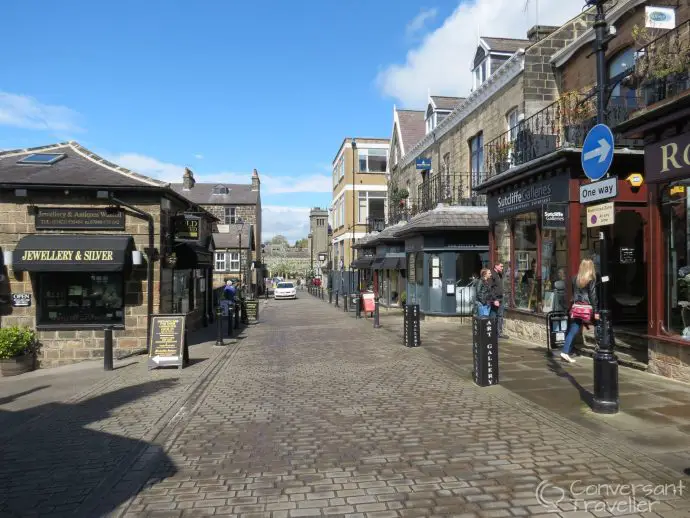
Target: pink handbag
x,y
581,311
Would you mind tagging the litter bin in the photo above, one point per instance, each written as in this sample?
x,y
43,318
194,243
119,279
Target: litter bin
x,y
485,351
557,327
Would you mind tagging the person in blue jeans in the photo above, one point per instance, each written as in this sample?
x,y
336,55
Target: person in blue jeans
x,y
483,293
584,292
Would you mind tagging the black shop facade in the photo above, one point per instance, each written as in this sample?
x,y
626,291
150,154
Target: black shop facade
x,y
86,244
539,231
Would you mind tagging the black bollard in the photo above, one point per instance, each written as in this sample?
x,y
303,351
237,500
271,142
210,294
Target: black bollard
x,y
229,321
108,348
330,296
345,297
358,309
376,313
219,325
336,299
237,315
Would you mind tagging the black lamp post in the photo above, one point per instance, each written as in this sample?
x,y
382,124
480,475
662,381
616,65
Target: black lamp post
x,y
240,222
605,399
354,200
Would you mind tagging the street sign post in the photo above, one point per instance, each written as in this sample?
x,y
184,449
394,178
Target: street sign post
x,y
601,190
597,152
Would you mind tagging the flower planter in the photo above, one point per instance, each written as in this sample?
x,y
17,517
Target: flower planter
x,y
16,365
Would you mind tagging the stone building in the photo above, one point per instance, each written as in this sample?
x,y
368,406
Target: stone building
x,y
238,210
318,240
87,243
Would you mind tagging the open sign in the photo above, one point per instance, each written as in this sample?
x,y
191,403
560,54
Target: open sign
x,y
21,300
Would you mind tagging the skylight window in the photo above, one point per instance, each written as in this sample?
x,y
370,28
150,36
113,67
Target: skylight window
x,y
42,158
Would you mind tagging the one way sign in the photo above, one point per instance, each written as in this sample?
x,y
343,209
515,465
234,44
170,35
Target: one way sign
x,y
597,152
596,191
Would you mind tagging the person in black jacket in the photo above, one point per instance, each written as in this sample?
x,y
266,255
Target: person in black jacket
x,y
496,296
483,290
584,292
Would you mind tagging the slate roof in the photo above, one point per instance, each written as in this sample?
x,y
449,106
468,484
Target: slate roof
x,y
447,218
202,194
231,239
511,45
446,103
412,127
80,167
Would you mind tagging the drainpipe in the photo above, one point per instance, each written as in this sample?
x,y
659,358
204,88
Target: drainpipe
x,y
149,256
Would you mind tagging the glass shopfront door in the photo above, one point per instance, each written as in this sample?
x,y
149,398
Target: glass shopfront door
x,y
628,267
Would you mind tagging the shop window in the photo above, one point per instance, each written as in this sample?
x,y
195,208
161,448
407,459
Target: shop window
x,y
527,292
502,254
81,298
554,271
183,291
676,222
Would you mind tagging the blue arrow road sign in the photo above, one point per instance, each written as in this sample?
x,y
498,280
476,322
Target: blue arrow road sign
x,y
597,152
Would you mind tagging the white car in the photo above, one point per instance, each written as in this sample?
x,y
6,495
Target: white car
x,y
285,290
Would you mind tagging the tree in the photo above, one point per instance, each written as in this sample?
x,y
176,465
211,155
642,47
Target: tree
x,y
302,243
279,240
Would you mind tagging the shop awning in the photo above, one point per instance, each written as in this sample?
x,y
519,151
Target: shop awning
x,y
391,263
362,262
378,263
191,256
402,263
72,253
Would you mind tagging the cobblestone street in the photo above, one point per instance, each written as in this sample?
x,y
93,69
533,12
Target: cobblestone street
x,y
318,415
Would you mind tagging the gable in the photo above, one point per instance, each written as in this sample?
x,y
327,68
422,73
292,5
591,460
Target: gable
x,y
479,56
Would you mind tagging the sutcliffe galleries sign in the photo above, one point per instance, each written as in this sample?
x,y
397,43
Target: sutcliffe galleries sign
x,y
528,198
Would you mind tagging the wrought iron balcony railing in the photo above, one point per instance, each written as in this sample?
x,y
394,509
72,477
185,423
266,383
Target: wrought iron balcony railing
x,y
450,189
662,66
564,123
375,224
402,210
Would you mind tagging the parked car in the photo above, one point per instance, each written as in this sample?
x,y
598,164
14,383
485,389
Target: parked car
x,y
285,290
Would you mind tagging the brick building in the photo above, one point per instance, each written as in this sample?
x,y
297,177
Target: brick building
x,y
87,243
238,210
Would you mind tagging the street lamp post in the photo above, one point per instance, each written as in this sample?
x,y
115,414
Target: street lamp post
x,y
354,200
605,400
240,221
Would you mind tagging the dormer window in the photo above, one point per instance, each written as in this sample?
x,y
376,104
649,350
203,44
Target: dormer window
x,y
220,189
480,74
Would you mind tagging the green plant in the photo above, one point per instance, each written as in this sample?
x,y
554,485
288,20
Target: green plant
x,y
660,56
399,195
403,298
15,341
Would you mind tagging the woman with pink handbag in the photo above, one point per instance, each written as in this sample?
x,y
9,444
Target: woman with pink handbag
x,y
585,306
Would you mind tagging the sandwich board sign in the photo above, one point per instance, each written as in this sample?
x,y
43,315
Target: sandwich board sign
x,y
168,342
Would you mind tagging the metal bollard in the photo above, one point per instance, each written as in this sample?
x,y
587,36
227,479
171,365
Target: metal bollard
x,y
219,325
108,348
336,299
330,296
376,313
237,316
229,322
345,297
358,309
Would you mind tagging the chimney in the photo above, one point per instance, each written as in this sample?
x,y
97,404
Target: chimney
x,y
539,32
256,183
187,179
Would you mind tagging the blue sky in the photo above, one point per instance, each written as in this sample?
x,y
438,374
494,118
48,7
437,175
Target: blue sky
x,y
224,87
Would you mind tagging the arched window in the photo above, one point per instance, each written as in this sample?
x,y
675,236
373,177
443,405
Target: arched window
x,y
621,62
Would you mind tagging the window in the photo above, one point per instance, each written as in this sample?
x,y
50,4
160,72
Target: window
x,y
372,160
622,62
502,255
339,170
342,210
320,222
480,74
513,118
220,261
220,189
81,298
371,205
676,209
554,273
527,292
234,261
183,291
477,159
230,216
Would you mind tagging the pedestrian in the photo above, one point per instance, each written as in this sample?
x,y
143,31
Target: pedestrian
x,y
585,305
483,293
496,296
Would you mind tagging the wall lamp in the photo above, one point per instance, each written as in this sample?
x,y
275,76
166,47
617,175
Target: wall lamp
x,y
7,256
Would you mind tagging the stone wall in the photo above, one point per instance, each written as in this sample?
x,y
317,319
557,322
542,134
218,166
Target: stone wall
x,y
250,214
219,277
669,359
531,328
59,347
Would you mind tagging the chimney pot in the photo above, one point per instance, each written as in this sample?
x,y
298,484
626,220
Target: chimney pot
x,y
256,183
188,179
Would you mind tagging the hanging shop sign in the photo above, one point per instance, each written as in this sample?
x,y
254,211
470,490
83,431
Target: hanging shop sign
x,y
528,197
53,218
659,17
555,215
187,228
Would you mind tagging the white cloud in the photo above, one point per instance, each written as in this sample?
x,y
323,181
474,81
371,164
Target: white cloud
x,y
418,23
291,222
441,62
270,184
22,111
199,156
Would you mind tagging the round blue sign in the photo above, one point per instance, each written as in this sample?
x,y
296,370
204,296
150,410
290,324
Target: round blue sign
x,y
597,152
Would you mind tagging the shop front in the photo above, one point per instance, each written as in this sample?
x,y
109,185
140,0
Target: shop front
x,y
445,251
390,269
539,232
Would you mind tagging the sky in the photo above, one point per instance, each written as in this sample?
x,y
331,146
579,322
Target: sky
x,y
225,87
